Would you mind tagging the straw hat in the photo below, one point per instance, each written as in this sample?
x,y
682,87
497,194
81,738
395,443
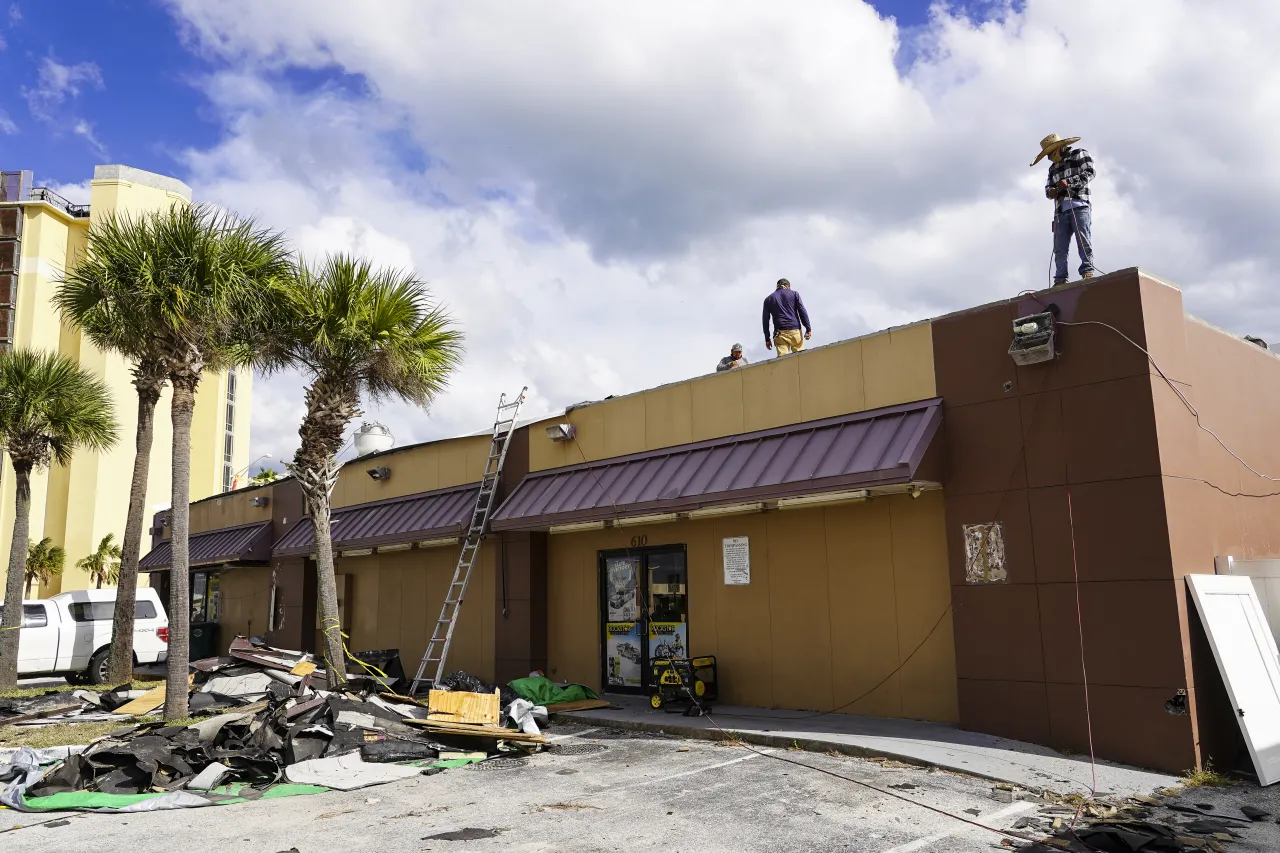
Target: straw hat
x,y
1052,143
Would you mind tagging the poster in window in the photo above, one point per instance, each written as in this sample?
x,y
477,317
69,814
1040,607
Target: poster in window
x,y
621,588
668,640
622,654
737,561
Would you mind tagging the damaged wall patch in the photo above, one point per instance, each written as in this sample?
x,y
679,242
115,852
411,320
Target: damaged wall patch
x,y
984,553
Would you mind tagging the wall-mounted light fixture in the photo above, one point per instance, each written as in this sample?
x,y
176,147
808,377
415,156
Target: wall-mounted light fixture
x,y
914,490
259,501
561,432
379,473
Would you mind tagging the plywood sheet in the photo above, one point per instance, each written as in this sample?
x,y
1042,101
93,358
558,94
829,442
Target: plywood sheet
x,y
478,731
578,705
459,706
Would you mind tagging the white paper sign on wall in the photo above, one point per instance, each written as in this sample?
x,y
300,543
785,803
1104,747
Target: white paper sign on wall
x,y
737,561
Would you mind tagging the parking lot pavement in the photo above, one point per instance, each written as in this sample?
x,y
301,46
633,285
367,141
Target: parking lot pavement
x,y
596,790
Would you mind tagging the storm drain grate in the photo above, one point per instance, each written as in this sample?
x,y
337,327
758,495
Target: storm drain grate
x,y
576,748
500,764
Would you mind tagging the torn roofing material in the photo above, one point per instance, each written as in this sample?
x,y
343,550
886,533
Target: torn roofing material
x,y
246,543
427,515
874,448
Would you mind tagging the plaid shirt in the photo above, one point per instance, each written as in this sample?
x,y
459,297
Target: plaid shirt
x,y
1076,168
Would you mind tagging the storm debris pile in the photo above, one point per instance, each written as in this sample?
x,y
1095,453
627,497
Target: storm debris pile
x,y
272,723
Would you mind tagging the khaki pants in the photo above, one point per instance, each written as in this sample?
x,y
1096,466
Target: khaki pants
x,y
792,340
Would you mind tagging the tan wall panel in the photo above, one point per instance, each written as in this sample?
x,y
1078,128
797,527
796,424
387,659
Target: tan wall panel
x,y
231,511
863,608
798,610
415,610
771,394
439,465
716,405
624,425
744,631
831,381
245,595
668,416
923,595
392,568
897,366
573,611
365,573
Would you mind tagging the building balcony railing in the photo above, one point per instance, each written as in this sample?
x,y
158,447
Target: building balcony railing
x,y
16,186
79,211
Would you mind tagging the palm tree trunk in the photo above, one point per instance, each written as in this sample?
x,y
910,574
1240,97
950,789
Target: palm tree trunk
x,y
11,622
175,701
127,587
27,592
113,640
327,588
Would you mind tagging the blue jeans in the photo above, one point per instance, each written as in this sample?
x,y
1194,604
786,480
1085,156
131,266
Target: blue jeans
x,y
1077,221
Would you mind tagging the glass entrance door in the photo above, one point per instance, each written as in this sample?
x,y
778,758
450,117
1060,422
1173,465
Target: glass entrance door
x,y
644,612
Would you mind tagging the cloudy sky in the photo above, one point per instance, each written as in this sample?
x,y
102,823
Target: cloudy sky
x,y
602,193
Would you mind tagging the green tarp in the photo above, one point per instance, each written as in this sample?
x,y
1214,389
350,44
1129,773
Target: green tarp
x,y
541,690
223,796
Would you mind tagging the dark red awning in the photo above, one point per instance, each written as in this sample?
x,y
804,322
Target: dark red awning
x,y
247,543
875,448
428,515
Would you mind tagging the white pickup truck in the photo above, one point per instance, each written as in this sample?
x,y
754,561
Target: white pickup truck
x,y
69,634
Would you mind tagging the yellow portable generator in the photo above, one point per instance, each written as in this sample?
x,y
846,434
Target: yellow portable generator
x,y
685,684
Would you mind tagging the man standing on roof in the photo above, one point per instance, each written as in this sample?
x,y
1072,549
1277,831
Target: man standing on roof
x,y
785,307
735,358
1070,171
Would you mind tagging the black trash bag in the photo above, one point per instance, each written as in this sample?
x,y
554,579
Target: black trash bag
x,y
461,680
388,662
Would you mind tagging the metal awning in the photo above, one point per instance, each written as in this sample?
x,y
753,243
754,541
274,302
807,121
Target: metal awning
x,y
247,543
875,448
428,515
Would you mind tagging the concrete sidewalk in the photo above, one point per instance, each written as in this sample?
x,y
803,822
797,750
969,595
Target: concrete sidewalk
x,y
929,744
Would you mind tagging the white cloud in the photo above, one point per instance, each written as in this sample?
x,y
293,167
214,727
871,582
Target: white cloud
x,y
84,130
7,125
15,13
56,84
610,189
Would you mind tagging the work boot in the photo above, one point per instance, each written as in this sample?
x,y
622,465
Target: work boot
x,y
1088,275
1059,283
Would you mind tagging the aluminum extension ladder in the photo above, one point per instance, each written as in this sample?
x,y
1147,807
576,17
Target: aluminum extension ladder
x,y
442,635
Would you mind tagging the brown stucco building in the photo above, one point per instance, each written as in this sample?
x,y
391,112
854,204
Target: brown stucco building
x,y
906,524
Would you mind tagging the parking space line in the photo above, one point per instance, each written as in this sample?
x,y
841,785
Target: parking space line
x,y
692,772
986,820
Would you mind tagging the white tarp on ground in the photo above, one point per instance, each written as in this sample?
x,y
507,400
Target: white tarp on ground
x,y
1246,654
347,772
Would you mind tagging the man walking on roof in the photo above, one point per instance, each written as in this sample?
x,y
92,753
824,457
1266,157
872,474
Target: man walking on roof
x,y
785,307
1070,171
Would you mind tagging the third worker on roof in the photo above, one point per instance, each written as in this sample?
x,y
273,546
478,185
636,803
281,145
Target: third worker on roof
x,y
786,309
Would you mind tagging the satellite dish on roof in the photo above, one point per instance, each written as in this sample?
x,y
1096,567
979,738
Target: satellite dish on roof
x,y
373,438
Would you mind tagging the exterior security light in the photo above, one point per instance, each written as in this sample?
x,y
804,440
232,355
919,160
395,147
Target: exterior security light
x,y
561,432
380,473
914,491
260,501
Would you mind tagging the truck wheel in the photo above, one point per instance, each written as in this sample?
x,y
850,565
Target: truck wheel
x,y
99,667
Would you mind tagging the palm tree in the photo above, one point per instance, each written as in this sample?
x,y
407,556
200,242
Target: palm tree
x,y
197,281
265,476
45,562
354,332
49,407
100,294
103,565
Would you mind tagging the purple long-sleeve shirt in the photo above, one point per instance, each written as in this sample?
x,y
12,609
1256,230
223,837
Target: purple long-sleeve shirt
x,y
786,308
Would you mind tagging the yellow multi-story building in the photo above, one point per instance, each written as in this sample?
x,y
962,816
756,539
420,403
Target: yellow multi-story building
x,y
41,234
